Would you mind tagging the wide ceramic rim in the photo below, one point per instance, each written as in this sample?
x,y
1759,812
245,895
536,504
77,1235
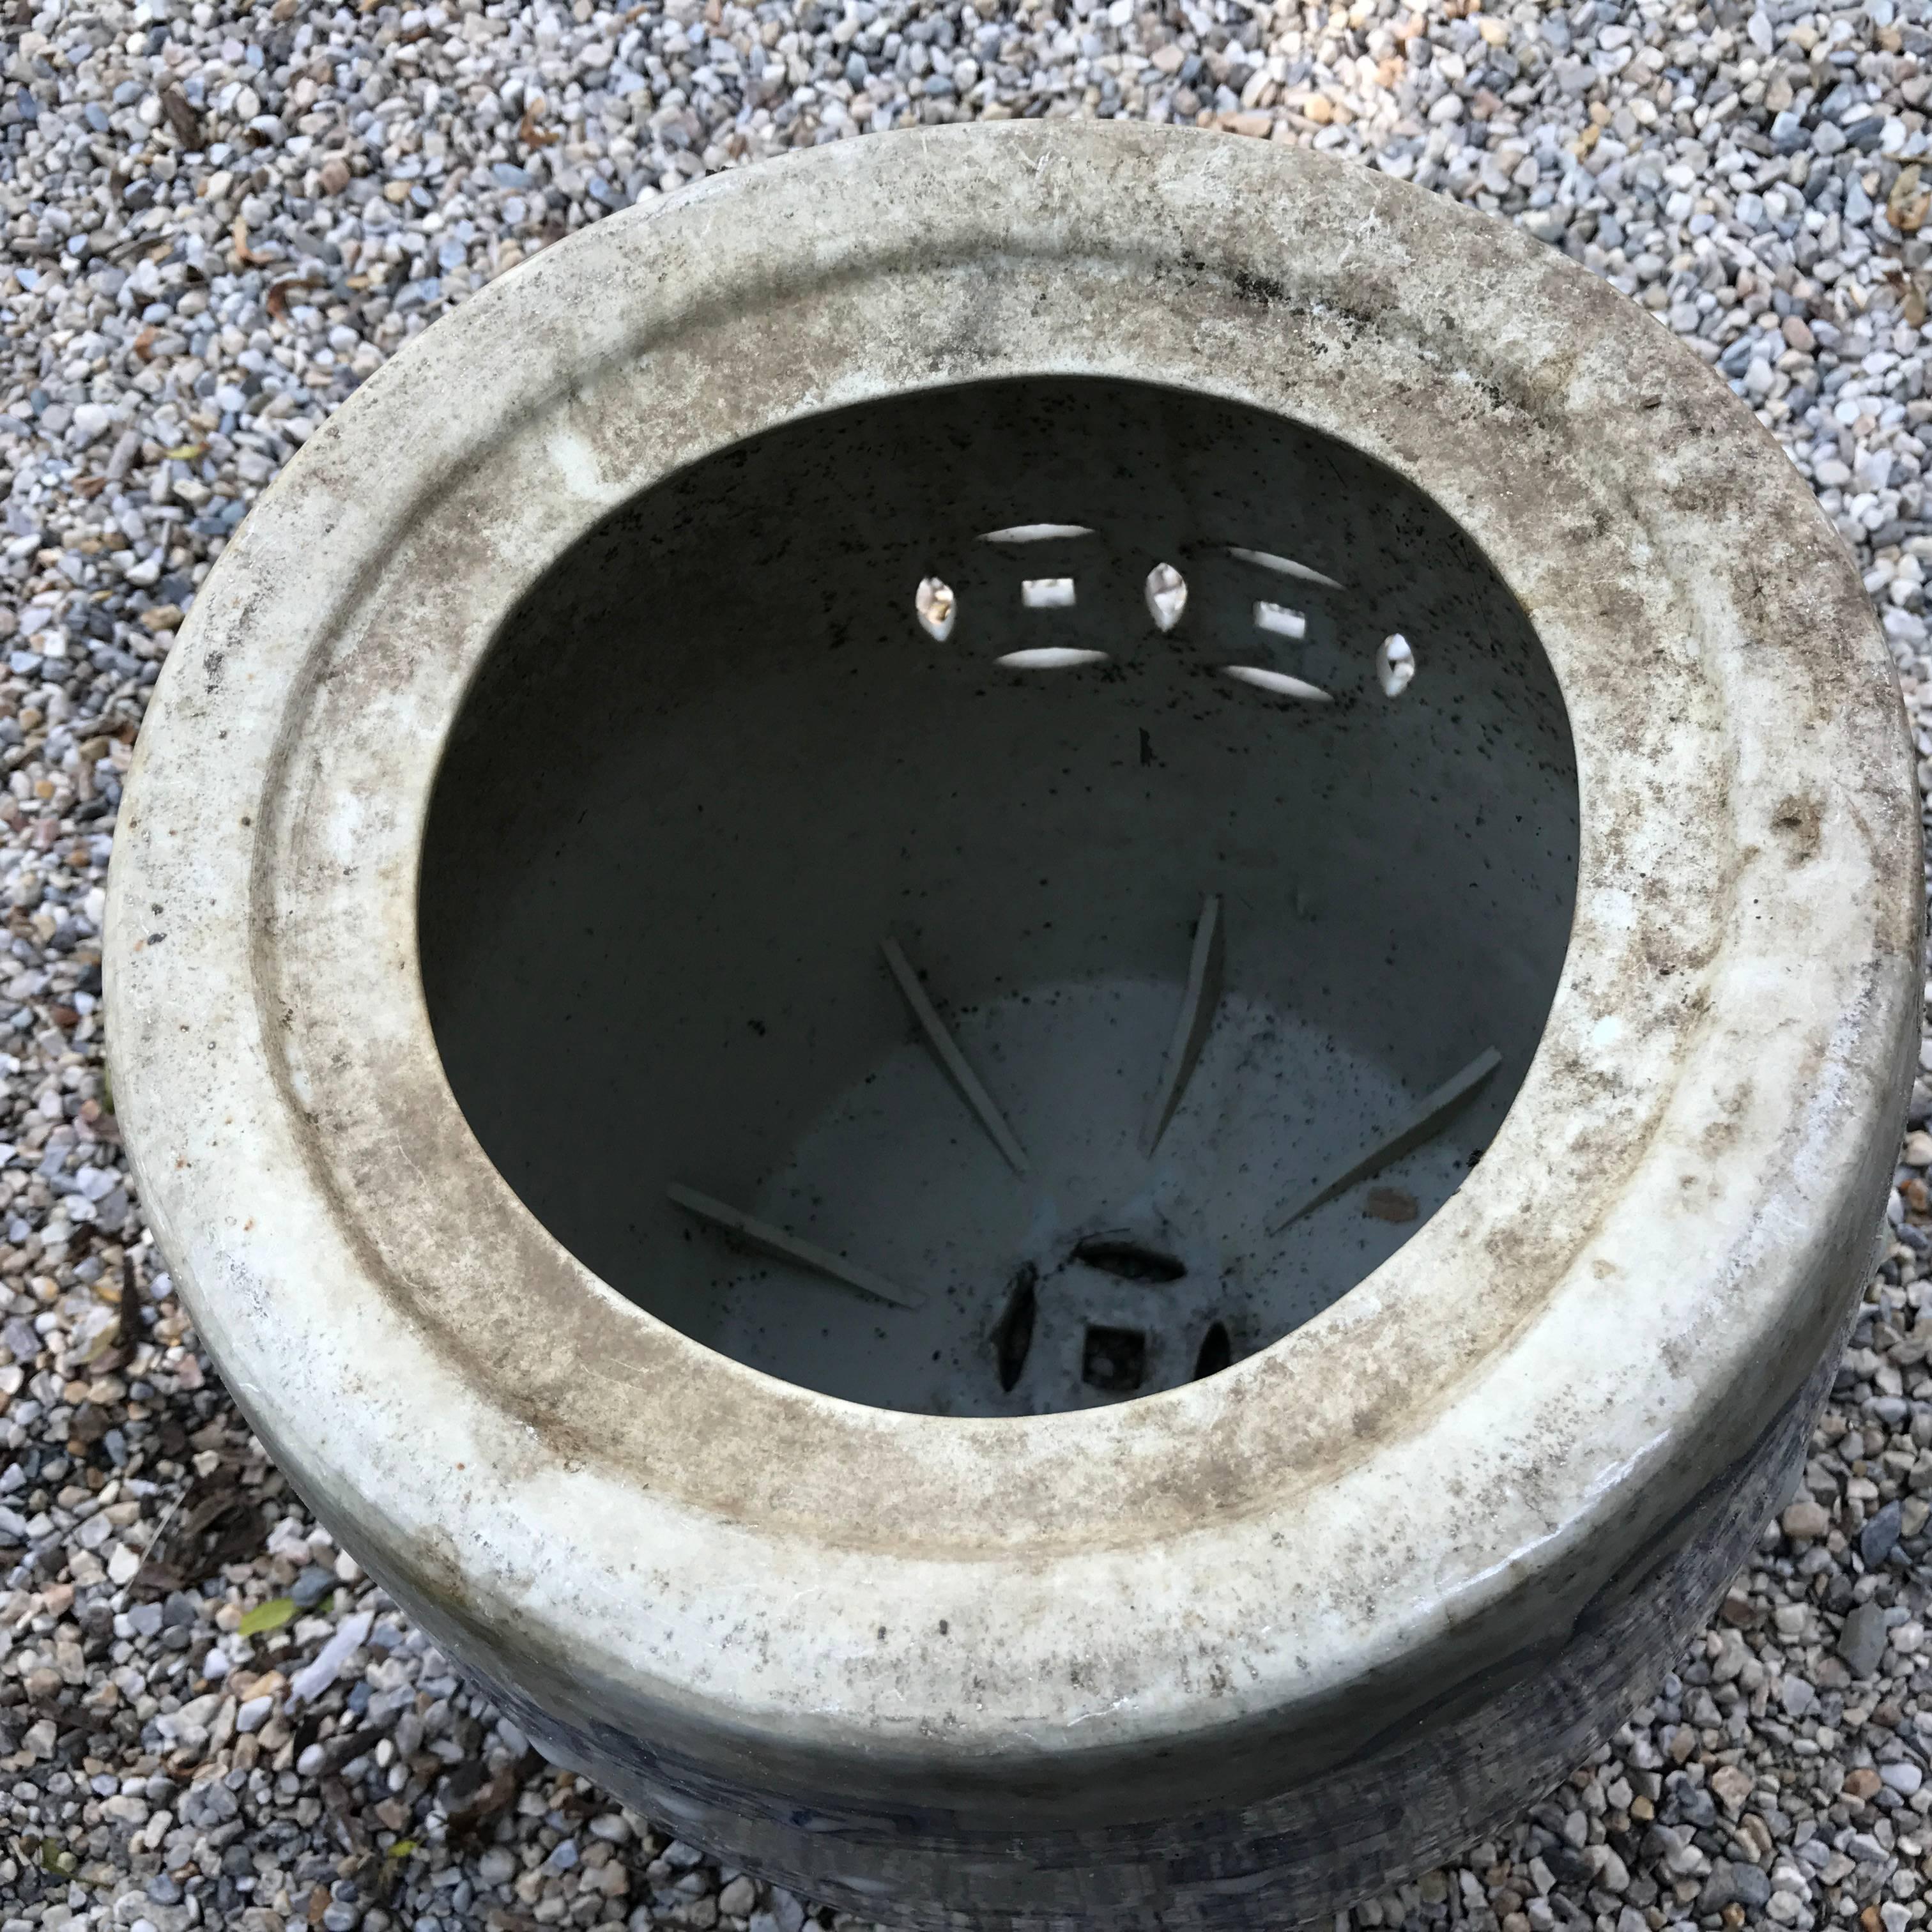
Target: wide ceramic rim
x,y
1637,1275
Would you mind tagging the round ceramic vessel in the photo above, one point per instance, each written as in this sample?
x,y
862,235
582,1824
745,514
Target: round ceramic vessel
x,y
1252,1645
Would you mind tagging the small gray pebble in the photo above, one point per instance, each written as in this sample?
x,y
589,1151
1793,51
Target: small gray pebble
x,y
312,1585
1877,1537
496,1866
1734,1882
1861,1642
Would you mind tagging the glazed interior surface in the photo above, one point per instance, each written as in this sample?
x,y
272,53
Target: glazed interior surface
x,y
1211,890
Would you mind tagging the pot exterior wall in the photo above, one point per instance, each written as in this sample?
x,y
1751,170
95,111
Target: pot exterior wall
x,y
1238,1652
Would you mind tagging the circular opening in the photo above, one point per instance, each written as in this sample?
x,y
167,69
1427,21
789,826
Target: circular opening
x,y
981,1044
933,601
1166,596
1395,666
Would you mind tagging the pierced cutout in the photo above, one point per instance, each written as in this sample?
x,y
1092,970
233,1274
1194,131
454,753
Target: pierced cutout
x,y
1282,566
1217,1352
1279,621
936,607
1047,593
946,1051
1113,1360
1278,682
1166,596
1198,1003
1050,657
1024,533
1127,1261
1012,1338
1395,664
788,1247
1433,1113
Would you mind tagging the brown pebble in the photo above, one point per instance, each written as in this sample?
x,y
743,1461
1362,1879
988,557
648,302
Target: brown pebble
x,y
1805,1521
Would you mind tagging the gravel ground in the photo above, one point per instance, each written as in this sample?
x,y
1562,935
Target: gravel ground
x,y
220,219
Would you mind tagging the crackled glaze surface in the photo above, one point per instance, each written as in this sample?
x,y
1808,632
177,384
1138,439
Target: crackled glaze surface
x,y
950,1670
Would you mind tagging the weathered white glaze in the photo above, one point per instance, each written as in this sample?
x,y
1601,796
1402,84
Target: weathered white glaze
x,y
1228,1653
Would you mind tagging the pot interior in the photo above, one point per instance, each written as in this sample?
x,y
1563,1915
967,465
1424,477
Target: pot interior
x,y
1081,693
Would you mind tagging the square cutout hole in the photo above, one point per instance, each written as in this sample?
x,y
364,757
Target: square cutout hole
x,y
1113,1360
